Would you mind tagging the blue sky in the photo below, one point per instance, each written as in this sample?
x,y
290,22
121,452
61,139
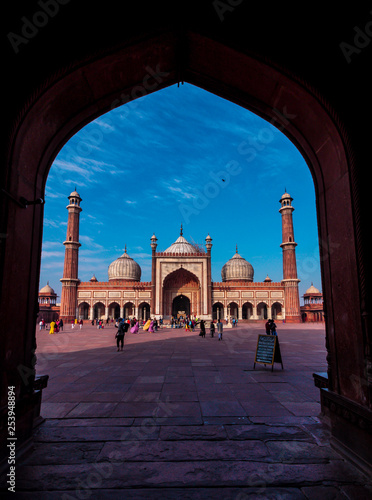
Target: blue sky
x,y
157,162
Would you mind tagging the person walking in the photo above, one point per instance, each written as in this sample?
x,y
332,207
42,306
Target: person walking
x,y
268,327
212,328
61,324
151,327
134,328
52,326
202,328
273,328
123,327
219,329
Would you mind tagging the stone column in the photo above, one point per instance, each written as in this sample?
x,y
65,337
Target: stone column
x,y
153,275
291,293
208,244
68,310
254,311
240,312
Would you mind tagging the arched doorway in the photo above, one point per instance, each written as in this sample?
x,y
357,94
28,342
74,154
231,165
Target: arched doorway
x,y
128,309
247,310
114,310
181,283
181,306
99,311
84,310
262,310
276,311
234,310
144,311
218,311
86,85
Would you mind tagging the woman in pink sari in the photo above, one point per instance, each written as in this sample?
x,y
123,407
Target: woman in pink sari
x,y
135,328
151,327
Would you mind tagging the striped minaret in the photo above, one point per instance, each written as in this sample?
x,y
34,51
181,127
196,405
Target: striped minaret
x,y
153,274
290,280
70,272
208,244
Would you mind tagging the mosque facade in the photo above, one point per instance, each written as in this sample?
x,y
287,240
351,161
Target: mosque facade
x,y
181,281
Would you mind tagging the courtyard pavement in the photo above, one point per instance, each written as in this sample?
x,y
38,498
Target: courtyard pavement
x,y
176,416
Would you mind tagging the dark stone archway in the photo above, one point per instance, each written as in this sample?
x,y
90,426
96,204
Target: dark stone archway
x,y
298,87
181,305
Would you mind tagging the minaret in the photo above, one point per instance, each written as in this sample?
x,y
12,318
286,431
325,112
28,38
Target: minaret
x,y
290,280
70,272
208,245
153,274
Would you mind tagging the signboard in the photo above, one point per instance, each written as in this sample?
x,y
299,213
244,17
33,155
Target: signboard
x,y
268,351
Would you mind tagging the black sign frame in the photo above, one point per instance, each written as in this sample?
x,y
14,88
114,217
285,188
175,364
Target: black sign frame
x,y
268,351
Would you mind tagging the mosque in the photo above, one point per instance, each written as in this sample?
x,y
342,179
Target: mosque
x,y
181,281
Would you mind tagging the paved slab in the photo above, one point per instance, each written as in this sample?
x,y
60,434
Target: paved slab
x,y
178,416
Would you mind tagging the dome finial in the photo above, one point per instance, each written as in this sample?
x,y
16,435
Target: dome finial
x,y
125,248
236,248
181,232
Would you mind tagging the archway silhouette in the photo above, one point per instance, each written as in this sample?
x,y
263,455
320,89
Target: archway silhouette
x,y
83,91
181,304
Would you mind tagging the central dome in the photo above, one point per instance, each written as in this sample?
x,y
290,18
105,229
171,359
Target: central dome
x,y
181,245
124,268
237,269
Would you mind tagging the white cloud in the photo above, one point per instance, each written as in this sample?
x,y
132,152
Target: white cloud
x,y
48,254
90,242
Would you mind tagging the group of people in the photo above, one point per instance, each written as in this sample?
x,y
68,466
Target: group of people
x,y
151,325
187,322
233,321
123,325
56,326
213,327
270,327
76,322
99,322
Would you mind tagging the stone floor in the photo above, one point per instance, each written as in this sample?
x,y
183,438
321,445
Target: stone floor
x,y
177,416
